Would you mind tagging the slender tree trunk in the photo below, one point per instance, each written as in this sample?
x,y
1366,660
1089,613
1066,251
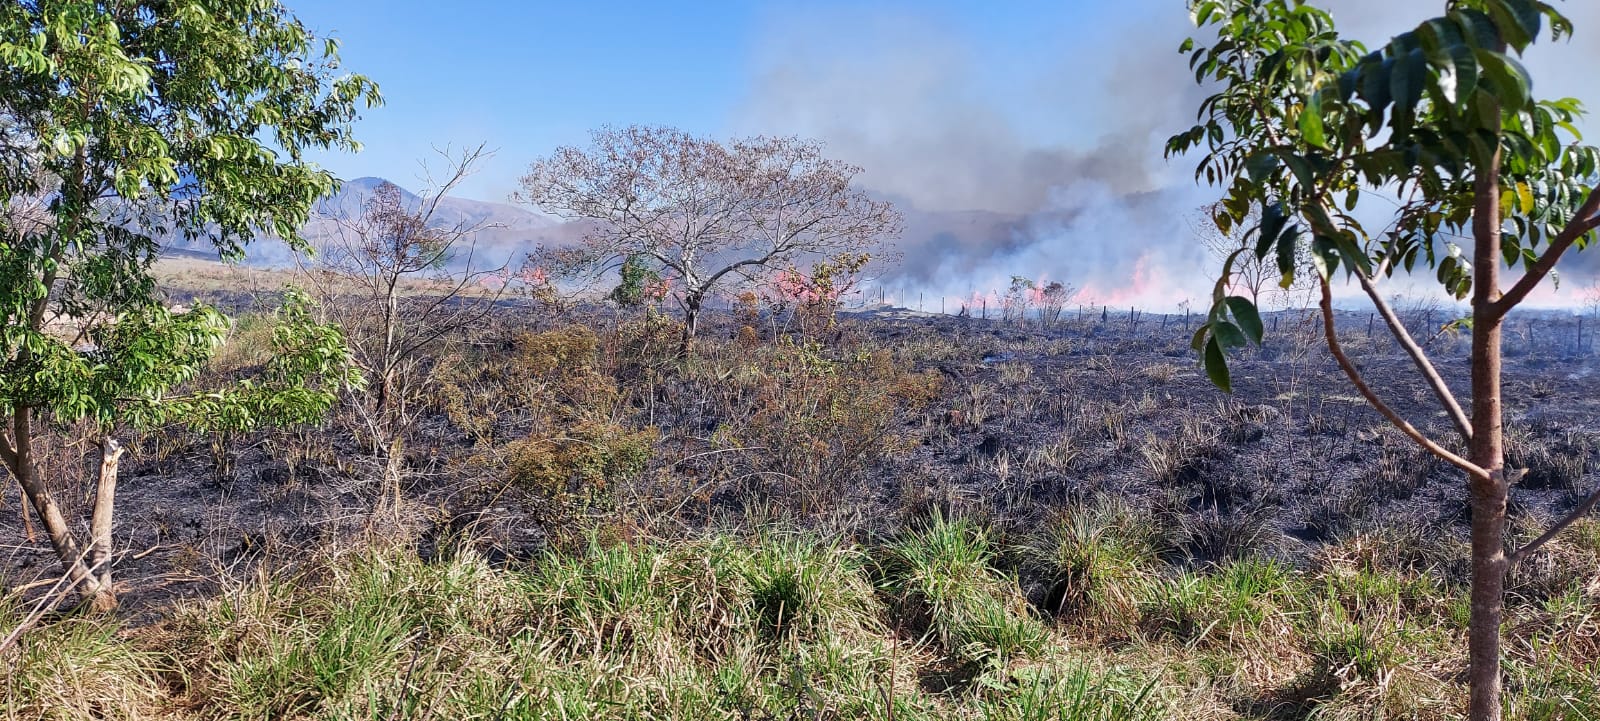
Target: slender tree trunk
x,y
104,598
691,321
391,312
55,524
1487,451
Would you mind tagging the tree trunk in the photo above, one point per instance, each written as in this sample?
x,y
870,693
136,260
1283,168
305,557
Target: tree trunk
x,y
391,313
691,321
104,599
55,524
1489,563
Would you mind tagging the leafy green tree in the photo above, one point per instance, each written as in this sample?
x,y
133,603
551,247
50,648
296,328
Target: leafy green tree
x,y
1305,124
123,123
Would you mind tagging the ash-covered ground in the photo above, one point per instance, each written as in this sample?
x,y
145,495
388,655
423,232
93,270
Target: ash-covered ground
x,y
884,419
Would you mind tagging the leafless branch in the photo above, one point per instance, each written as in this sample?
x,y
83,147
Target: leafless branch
x,y
1582,510
1424,366
1383,409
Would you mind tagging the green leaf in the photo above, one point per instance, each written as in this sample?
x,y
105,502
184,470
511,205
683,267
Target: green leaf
x,y
1248,317
1259,166
1324,256
1197,341
1301,169
1228,334
1465,75
1478,28
1519,21
1287,255
1216,364
1272,221
1375,82
1311,121
1508,80
1406,81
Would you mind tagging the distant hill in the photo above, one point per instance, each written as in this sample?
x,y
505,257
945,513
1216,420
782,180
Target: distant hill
x,y
354,194
507,231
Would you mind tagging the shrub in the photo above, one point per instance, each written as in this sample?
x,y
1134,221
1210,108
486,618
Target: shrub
x,y
821,424
584,457
644,346
535,385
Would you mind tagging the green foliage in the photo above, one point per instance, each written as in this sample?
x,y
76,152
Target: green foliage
x,y
1228,606
75,669
635,279
138,360
810,593
125,124
309,366
1096,561
792,626
942,579
1307,123
685,631
1075,693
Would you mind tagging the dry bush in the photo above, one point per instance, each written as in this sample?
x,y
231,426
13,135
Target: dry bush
x,y
583,459
1161,373
543,382
919,390
820,425
644,347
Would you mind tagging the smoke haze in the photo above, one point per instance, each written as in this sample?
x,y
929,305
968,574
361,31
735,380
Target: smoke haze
x,y
1072,187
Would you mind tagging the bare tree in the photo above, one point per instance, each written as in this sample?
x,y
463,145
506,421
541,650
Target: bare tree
x,y
1223,239
1018,298
399,279
1052,298
706,212
1252,276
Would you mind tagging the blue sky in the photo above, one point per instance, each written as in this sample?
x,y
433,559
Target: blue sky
x,y
1051,113
528,76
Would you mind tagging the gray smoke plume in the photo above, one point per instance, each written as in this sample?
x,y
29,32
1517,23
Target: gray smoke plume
x,y
1070,183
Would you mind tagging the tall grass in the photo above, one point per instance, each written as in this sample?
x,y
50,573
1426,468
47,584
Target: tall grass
x,y
929,624
941,579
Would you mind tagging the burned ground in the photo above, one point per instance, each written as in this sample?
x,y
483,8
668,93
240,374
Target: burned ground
x,y
880,423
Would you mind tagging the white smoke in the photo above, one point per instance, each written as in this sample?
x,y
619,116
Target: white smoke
x,y
1058,164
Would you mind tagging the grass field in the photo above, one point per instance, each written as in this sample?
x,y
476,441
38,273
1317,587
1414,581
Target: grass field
x,y
928,624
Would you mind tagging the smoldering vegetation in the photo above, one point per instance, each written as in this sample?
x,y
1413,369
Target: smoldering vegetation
x,y
930,109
